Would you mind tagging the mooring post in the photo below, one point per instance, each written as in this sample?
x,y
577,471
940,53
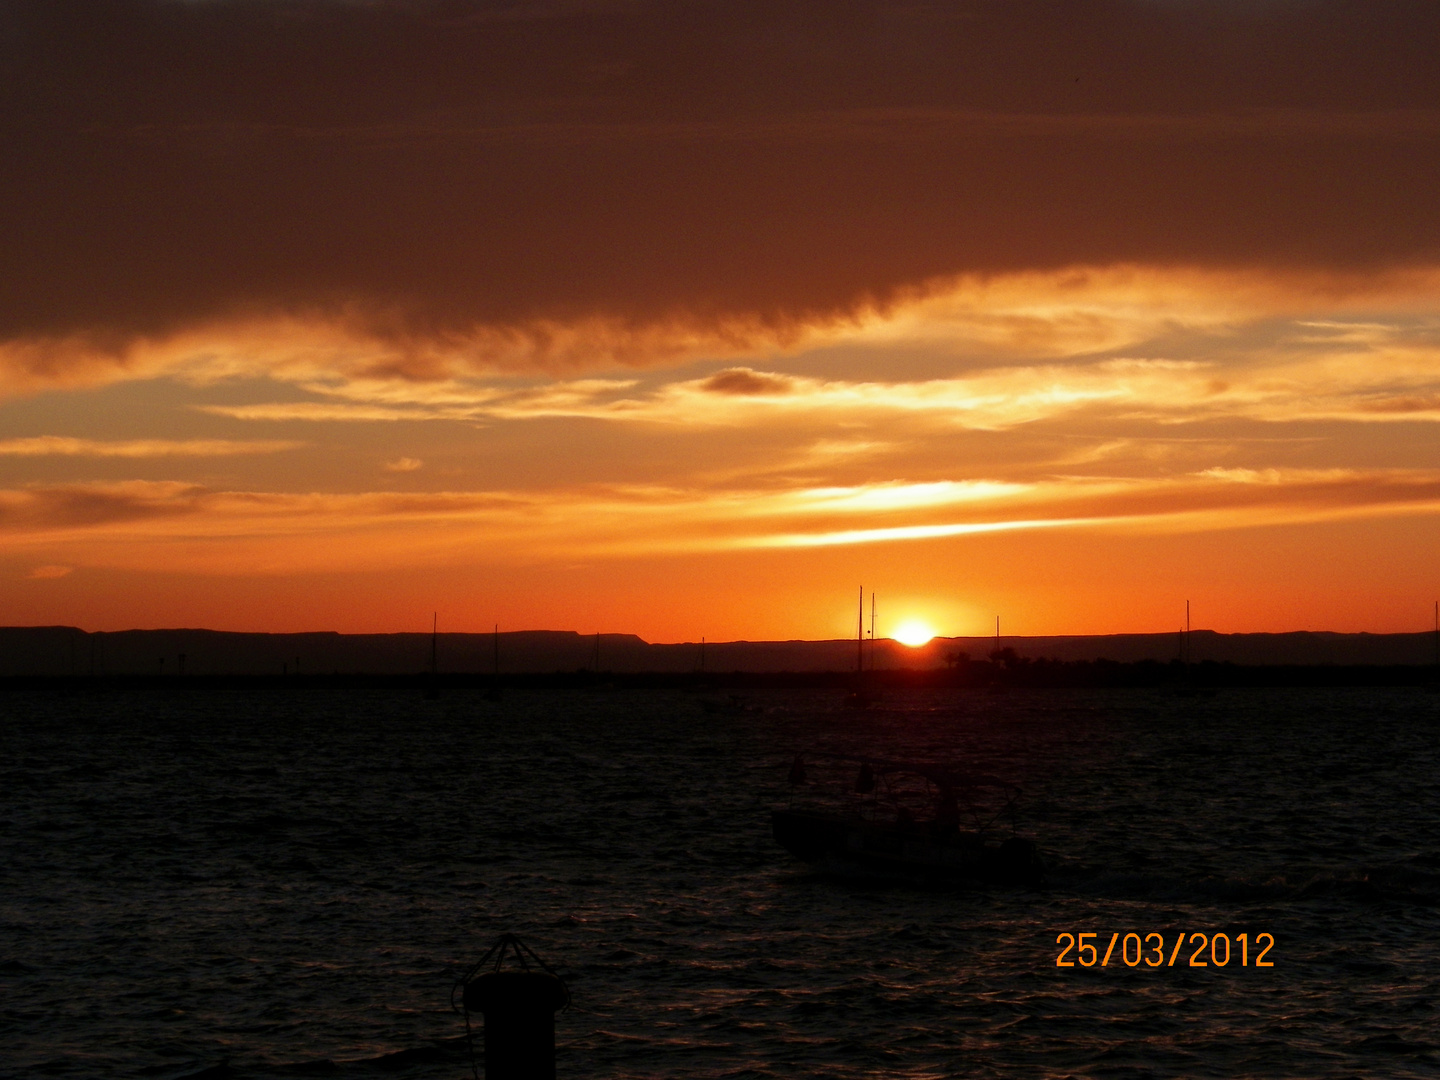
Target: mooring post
x,y
519,1009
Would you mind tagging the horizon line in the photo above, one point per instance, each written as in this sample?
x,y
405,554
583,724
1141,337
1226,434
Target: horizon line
x,y
938,638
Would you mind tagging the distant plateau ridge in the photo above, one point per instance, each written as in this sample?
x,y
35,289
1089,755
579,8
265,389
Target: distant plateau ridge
x,y
68,651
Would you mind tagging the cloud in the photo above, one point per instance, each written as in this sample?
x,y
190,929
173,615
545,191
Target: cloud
x,y
910,532
875,498
418,193
403,465
82,507
322,344
1073,313
49,572
41,445
987,400
1262,368
320,411
747,383
186,529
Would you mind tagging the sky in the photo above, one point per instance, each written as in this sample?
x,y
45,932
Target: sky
x,y
690,319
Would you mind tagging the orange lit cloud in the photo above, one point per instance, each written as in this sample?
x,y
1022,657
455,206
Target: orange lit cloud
x,y
319,347
1054,315
43,445
148,526
1367,374
49,572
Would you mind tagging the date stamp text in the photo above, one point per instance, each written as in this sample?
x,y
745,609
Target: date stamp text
x,y
1203,950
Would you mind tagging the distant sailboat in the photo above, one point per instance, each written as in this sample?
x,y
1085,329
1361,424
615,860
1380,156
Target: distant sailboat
x,y
1187,687
432,691
997,684
859,698
493,692
872,630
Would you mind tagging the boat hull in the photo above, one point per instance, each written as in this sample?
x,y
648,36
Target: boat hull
x,y
920,851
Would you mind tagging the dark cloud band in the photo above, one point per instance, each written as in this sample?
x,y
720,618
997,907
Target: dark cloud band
x,y
424,168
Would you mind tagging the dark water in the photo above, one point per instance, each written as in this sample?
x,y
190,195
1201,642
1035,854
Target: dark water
x,y
277,882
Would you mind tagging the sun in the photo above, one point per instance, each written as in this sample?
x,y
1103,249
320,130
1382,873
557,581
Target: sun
x,y
913,632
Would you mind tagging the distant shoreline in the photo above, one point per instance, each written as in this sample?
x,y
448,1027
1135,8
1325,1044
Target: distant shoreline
x,y
61,652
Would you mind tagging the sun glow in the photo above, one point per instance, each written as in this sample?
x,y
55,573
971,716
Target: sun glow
x,y
914,633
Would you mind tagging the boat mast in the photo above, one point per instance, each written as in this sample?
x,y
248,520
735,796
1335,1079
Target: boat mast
x,y
434,633
872,629
860,635
497,650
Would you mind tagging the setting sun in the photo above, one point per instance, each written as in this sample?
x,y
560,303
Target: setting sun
x,y
914,633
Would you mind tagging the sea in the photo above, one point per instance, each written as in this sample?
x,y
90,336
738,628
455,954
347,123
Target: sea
x,y
269,883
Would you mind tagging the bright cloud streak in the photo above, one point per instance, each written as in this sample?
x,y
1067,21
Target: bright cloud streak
x,y
906,532
141,525
43,445
883,497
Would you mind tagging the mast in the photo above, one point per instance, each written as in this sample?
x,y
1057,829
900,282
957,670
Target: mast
x,y
860,635
702,655
997,636
1187,631
497,650
434,642
872,629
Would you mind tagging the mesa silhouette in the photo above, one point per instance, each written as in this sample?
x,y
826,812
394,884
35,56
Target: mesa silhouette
x,y
64,651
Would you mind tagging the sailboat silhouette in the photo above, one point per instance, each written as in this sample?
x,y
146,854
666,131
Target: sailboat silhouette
x,y
432,691
860,697
492,692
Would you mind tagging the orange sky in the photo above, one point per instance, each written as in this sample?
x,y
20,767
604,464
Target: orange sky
x,y
680,321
